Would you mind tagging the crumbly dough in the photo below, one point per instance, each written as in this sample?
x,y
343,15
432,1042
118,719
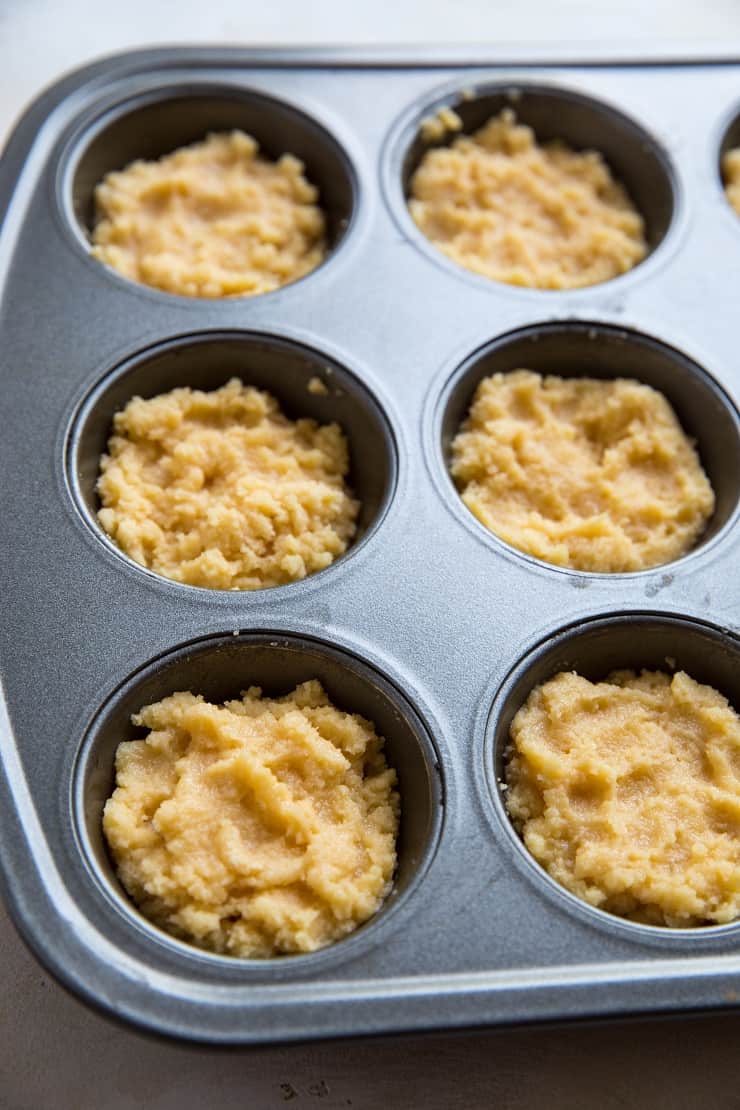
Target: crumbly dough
x,y
628,792
731,173
317,387
260,827
435,127
213,219
222,490
593,475
547,217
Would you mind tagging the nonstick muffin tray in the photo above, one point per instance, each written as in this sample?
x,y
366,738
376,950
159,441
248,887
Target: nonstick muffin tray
x,y
429,625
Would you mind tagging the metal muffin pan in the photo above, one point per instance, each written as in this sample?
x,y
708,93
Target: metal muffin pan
x,y
429,624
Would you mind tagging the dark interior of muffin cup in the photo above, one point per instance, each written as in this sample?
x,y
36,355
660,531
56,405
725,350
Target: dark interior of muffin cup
x,y
569,349
219,668
730,141
281,367
633,156
158,123
626,641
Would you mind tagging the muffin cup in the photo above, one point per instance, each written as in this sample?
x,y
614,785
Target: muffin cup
x,y
595,350
207,361
635,158
730,140
219,668
593,649
165,119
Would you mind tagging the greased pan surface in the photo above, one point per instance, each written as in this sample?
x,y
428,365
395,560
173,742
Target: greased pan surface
x,y
429,624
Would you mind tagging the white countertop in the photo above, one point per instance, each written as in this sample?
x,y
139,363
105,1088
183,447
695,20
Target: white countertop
x,y
58,1055
40,39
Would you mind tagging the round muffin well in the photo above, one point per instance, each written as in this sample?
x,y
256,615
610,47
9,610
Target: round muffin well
x,y
311,393
626,724
315,674
222,490
543,216
162,125
589,474
256,828
627,791
622,169
600,354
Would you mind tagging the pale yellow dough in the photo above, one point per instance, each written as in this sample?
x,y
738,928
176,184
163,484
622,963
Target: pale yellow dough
x,y
222,490
593,475
547,217
214,219
257,828
435,127
731,174
628,792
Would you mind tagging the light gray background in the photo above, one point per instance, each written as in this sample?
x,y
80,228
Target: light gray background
x,y
57,1055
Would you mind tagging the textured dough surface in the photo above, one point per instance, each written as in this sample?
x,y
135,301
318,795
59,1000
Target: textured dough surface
x,y
214,219
628,792
222,490
731,174
547,217
256,828
594,475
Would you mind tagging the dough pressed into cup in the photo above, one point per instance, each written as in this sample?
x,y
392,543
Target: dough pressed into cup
x,y
597,475
627,791
220,489
731,175
214,219
257,828
543,216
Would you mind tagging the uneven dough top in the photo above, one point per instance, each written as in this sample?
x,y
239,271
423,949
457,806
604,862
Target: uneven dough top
x,y
214,219
257,828
628,792
731,174
222,490
583,473
543,216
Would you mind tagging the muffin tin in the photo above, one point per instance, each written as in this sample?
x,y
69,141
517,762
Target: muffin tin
x,y
429,624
